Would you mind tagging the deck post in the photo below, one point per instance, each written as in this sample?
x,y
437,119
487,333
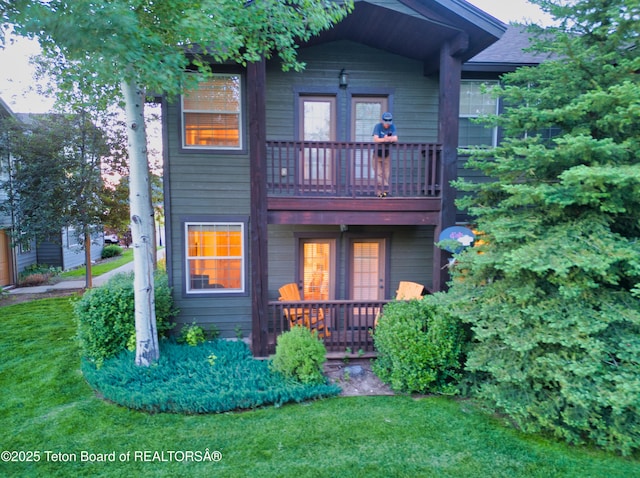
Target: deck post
x,y
449,105
256,94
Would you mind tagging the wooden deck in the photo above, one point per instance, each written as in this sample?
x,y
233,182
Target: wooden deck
x,y
349,323
335,183
349,169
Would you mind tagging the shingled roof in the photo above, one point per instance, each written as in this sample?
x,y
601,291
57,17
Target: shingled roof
x,y
507,53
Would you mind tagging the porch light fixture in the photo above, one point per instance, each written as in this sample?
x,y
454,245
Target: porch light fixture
x,y
343,79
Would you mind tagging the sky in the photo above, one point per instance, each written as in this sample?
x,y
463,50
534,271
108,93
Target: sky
x,y
16,75
511,10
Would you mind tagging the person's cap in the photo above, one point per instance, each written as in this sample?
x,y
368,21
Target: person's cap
x,y
387,117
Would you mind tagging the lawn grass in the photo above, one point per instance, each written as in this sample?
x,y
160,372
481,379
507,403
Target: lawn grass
x,y
102,267
47,406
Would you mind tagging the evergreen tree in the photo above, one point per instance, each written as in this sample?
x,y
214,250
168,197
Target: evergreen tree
x,y
552,293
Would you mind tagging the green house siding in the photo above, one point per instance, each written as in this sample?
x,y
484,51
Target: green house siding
x,y
206,185
414,97
410,254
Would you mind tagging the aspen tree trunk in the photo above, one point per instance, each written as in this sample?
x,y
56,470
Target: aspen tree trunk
x,y
142,226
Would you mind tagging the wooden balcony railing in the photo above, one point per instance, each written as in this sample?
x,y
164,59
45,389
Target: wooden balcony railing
x,y
349,169
348,323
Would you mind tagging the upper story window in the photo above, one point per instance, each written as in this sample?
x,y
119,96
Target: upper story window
x,y
476,100
212,114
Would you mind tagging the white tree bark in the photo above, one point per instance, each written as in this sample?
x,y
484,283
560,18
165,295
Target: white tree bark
x,y
142,226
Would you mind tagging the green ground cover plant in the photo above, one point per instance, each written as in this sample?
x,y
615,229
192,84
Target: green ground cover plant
x,y
211,377
47,406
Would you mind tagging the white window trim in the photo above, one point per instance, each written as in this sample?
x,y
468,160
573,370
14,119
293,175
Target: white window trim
x,y
494,130
73,241
240,146
187,277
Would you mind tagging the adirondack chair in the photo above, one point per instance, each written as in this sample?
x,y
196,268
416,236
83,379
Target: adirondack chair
x,y
406,291
306,316
409,290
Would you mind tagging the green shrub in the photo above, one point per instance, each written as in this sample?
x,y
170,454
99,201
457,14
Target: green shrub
x,y
37,274
300,355
213,377
111,251
192,334
41,269
419,347
105,316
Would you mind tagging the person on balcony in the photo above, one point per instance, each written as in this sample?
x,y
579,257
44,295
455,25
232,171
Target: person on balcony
x,y
384,133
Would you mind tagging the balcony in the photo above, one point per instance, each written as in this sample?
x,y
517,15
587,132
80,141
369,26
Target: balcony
x,y
327,169
348,323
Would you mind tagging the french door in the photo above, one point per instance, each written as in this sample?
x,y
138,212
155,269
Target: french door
x,y
366,262
367,269
318,123
366,114
318,269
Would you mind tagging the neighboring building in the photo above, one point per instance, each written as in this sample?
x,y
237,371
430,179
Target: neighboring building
x,y
67,250
270,175
64,250
485,70
13,259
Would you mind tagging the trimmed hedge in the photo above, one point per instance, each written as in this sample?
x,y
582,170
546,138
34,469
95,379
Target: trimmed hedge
x,y
111,251
213,377
105,315
419,347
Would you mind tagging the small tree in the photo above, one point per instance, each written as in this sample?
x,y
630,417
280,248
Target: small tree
x,y
553,294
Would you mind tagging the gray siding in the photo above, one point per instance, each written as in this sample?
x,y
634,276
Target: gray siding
x,y
411,256
50,253
68,254
26,259
5,219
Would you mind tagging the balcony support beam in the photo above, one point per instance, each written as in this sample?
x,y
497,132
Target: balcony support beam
x,y
449,104
256,87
